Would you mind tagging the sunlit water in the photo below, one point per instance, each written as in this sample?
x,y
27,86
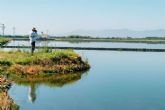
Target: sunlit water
x,y
116,81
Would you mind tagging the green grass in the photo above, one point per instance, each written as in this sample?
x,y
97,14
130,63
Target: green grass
x,y
4,41
58,66
17,57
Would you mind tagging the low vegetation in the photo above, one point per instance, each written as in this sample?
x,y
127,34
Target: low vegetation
x,y
111,39
78,38
57,66
6,102
4,41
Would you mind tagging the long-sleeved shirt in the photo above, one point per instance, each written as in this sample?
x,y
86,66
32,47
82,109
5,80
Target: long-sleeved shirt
x,y
33,36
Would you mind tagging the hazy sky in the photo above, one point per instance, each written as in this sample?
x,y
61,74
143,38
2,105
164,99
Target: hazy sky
x,y
60,16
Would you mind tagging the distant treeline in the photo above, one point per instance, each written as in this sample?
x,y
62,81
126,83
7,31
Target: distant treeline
x,y
90,37
72,36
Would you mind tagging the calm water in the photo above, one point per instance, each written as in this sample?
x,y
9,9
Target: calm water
x,y
90,44
116,81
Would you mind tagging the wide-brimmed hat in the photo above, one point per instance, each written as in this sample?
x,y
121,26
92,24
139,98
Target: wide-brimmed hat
x,y
34,29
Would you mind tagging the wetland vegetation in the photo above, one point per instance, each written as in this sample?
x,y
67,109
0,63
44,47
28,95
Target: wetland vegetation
x,y
78,38
4,40
59,66
6,102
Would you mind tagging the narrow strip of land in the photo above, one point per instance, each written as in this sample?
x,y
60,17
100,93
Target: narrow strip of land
x,y
92,48
122,40
74,38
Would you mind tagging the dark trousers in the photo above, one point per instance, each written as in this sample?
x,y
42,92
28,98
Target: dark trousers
x,y
32,47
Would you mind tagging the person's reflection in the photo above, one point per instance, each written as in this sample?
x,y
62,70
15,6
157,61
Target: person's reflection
x,y
7,103
32,93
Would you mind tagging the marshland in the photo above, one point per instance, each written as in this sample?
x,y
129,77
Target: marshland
x,y
82,55
53,78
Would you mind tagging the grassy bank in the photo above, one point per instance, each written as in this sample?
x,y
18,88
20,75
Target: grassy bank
x,y
134,40
56,66
75,38
4,41
111,39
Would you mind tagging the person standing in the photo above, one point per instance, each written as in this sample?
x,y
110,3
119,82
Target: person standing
x,y
33,37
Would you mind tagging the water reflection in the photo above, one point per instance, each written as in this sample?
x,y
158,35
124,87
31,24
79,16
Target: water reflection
x,y
89,44
33,84
32,93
